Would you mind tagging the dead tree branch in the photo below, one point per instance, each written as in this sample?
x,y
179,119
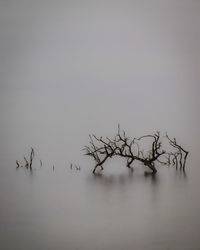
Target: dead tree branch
x,y
101,149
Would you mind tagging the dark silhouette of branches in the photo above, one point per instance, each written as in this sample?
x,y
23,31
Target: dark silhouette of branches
x,y
75,167
181,154
31,158
17,164
103,148
28,164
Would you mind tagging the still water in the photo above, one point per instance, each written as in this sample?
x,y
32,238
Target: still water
x,y
67,208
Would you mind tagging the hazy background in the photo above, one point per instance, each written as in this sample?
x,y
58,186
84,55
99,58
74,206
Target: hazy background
x,y
70,68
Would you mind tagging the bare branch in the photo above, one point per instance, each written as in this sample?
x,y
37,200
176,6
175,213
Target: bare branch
x,y
181,153
17,164
124,147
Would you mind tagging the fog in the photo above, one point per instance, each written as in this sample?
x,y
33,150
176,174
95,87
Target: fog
x,y
71,68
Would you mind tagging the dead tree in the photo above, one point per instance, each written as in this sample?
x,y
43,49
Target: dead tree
x,y
122,146
101,149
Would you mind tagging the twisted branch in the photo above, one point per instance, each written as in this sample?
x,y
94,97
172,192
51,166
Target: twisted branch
x,y
101,149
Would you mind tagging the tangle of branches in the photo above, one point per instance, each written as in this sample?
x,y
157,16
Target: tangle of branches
x,y
101,149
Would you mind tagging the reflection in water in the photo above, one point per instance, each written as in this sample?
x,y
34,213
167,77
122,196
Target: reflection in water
x,y
112,180
138,209
181,174
153,177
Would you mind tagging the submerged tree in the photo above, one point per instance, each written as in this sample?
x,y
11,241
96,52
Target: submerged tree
x,y
103,148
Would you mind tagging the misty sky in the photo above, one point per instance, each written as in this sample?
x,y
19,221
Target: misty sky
x,y
87,65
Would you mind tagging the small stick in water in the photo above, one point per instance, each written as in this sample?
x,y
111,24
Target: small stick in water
x,y
26,162
53,167
71,166
17,163
31,157
77,168
40,163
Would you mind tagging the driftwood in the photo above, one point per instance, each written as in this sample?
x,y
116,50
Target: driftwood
x,y
103,148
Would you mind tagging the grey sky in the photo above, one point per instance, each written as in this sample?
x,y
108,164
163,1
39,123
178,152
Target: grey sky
x,y
87,65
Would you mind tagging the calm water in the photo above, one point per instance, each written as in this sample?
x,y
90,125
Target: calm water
x,y
120,209
70,68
